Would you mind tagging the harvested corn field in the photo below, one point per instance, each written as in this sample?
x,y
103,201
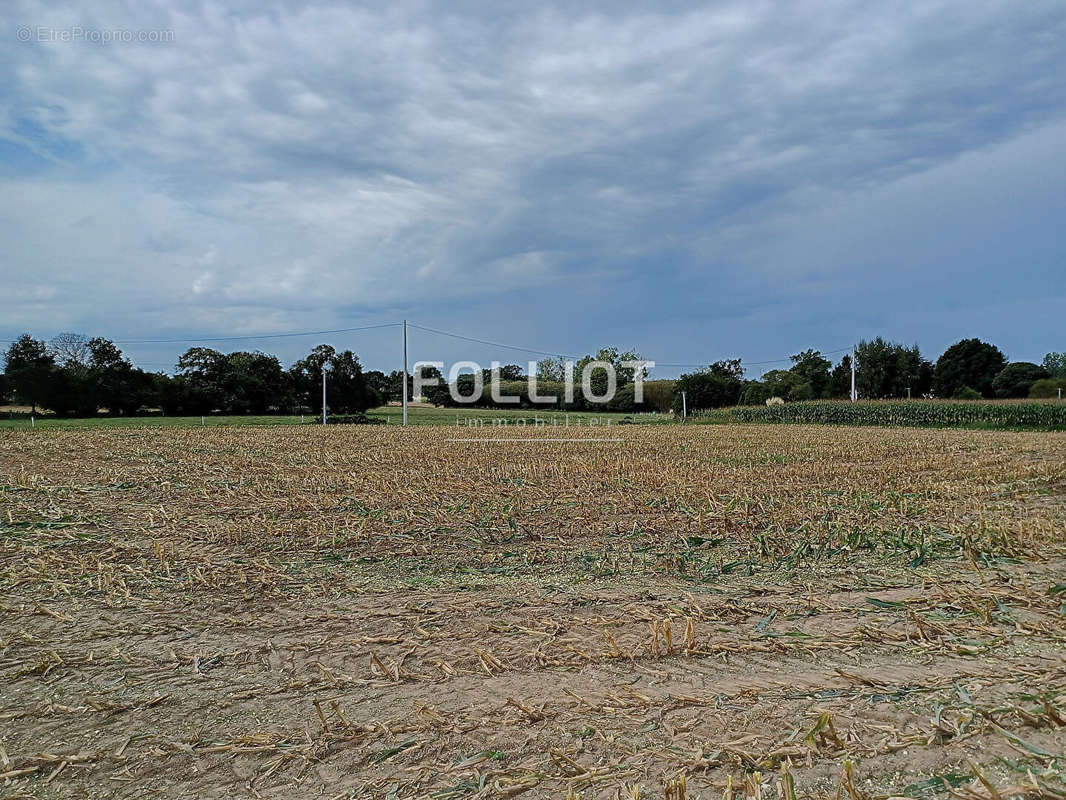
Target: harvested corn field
x,y
667,612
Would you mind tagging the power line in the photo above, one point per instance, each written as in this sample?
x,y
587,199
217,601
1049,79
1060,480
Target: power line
x,y
491,344
564,355
258,336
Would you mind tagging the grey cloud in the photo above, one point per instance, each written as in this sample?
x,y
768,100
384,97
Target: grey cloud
x,y
338,157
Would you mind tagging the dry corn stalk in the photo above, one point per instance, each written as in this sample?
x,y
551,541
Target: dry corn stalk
x,y
676,788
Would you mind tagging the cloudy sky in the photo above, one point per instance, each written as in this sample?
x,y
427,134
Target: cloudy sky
x,y
700,181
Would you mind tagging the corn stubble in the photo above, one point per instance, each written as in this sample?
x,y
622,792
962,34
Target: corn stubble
x,y
703,612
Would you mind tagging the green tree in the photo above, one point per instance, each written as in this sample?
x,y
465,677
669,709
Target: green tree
x,y
551,369
598,377
1016,379
720,384
840,380
254,383
1055,364
29,368
165,393
112,380
658,395
971,363
93,373
811,368
510,372
756,393
203,362
1048,387
379,382
236,383
347,390
307,377
103,355
396,385
781,383
124,389
889,369
198,384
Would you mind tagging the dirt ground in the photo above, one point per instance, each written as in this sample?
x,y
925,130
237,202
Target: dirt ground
x,y
666,612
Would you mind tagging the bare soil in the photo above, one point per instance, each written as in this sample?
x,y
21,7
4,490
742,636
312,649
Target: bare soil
x,y
690,613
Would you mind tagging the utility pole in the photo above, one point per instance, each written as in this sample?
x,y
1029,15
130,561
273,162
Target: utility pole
x,y
684,407
908,392
405,372
854,394
323,394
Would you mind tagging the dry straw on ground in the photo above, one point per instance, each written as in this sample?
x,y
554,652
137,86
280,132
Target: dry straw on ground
x,y
701,612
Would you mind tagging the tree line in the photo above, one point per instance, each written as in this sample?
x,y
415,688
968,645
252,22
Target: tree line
x,y
74,375
970,369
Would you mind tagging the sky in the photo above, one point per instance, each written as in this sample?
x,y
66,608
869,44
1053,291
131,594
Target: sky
x,y
693,181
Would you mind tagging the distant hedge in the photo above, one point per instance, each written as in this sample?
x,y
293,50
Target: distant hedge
x,y
353,419
1048,388
911,413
